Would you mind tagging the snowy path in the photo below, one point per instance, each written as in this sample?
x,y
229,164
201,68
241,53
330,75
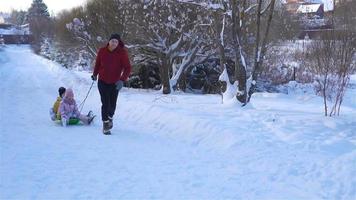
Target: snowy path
x,y
177,147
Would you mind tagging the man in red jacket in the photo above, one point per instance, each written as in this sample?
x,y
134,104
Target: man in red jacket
x,y
113,67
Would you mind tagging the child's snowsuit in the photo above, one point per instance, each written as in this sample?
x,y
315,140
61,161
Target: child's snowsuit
x,y
55,115
68,109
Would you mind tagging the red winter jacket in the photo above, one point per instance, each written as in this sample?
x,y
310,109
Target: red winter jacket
x,y
112,65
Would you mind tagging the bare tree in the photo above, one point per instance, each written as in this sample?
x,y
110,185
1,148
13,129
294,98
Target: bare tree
x,y
168,35
236,18
332,59
242,21
260,47
331,62
97,20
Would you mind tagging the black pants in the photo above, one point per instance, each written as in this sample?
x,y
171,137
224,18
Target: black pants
x,y
108,95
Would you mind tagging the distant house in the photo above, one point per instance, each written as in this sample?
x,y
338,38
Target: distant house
x,y
311,15
12,34
293,5
311,10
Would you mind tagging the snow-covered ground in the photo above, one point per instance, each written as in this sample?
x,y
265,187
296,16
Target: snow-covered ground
x,y
180,146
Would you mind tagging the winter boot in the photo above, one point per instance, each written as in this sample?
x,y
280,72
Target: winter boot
x,y
111,124
64,122
90,119
106,127
90,114
52,114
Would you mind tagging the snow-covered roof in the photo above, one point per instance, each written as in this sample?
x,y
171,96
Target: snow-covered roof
x,y
22,30
328,4
308,8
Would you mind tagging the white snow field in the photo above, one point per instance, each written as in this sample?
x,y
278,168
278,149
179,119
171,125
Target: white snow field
x,y
179,146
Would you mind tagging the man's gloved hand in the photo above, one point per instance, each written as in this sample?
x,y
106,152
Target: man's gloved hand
x,y
94,78
119,84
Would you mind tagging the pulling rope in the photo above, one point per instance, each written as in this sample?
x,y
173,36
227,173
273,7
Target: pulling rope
x,y
82,104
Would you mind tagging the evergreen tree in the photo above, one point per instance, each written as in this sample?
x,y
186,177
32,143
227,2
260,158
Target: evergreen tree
x,y
37,9
40,22
18,17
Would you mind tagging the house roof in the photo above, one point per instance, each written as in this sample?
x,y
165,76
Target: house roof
x,y
9,29
328,4
308,8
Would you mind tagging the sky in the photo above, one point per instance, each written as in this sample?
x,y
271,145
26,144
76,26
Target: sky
x,y
54,6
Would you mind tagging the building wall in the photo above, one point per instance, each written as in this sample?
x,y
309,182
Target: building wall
x,y
16,39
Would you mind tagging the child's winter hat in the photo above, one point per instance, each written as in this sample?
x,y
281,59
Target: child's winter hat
x,y
115,36
61,91
69,93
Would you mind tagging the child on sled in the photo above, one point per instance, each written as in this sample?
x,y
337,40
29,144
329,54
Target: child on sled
x,y
54,110
68,109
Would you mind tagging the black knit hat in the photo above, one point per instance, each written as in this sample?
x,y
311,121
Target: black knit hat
x,y
61,91
115,36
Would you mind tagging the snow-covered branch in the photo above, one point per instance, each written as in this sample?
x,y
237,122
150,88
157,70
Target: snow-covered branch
x,y
222,31
250,8
267,7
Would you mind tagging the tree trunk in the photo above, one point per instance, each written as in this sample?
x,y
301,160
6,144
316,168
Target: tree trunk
x,y
324,95
257,52
221,49
240,70
240,74
184,67
260,50
164,70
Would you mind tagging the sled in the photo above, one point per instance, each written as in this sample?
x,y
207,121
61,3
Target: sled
x,y
72,121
